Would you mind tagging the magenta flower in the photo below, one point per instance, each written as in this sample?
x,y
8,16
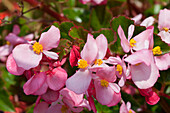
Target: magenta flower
x,y
139,42
164,25
28,56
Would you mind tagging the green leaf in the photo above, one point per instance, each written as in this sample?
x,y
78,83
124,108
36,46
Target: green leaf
x,y
5,104
100,17
158,42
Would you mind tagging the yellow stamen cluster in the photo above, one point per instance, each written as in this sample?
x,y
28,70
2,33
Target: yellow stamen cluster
x,y
130,111
132,43
119,69
8,43
98,61
104,83
157,50
64,109
82,64
37,48
166,29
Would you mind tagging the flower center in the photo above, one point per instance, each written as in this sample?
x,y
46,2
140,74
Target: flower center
x,y
157,50
64,109
166,29
130,111
119,69
37,48
82,64
8,43
132,43
98,61
104,83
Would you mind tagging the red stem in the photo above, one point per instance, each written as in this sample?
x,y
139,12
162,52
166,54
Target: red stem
x,y
46,9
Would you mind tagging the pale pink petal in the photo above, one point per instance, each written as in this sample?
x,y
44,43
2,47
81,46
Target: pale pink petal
x,y
57,78
34,83
162,62
139,57
50,96
114,60
130,31
107,73
148,21
116,99
144,76
29,37
25,57
79,82
51,54
124,42
164,19
41,90
85,104
5,50
98,1
89,52
50,39
122,81
104,95
41,108
143,39
12,67
123,108
102,46
16,29
55,109
70,95
137,18
14,39
115,87
165,36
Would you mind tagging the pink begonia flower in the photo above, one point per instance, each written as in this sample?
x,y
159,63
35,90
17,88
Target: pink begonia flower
x,y
121,70
38,83
125,108
144,71
28,56
164,25
68,102
139,42
107,92
80,81
151,97
94,2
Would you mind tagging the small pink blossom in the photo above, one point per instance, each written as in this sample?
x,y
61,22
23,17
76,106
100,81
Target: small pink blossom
x,y
125,108
94,2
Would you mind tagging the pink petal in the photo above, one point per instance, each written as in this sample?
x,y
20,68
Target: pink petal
x,y
115,87
16,29
79,82
85,104
165,36
90,50
104,95
92,105
74,55
164,19
148,21
84,1
14,39
55,109
116,99
25,57
137,18
12,67
162,62
123,108
143,39
102,46
139,57
51,54
122,81
5,50
153,99
130,31
114,60
144,76
57,78
29,37
128,104
34,83
42,89
124,42
41,108
107,73
50,39
50,96
98,1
